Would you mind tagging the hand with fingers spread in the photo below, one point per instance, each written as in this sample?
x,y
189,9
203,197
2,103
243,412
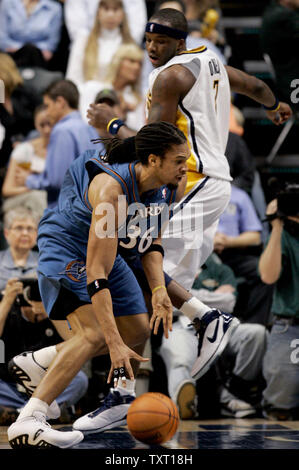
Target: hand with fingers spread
x,y
162,310
121,368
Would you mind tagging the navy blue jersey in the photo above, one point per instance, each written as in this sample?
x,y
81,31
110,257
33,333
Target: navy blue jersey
x,y
64,230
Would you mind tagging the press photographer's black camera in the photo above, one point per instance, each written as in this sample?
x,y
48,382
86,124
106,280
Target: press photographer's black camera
x,y
30,291
288,201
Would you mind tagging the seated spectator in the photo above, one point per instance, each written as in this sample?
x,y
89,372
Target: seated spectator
x,y
30,155
16,112
123,75
24,327
91,53
80,14
216,286
238,244
69,138
279,265
203,17
280,40
20,231
30,30
241,162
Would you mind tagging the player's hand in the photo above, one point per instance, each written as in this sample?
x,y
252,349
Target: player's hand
x,y
282,115
162,310
99,115
120,356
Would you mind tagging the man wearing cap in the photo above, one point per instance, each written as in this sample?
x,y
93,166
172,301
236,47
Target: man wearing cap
x,y
192,89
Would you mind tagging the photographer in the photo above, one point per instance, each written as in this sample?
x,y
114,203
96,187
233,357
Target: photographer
x,y
279,263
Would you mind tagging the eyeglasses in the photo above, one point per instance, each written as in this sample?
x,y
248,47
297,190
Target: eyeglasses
x,y
22,228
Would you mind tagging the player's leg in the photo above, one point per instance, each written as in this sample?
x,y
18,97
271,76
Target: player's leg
x,y
71,355
134,330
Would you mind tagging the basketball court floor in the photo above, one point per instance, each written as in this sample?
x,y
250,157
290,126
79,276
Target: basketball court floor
x,y
231,434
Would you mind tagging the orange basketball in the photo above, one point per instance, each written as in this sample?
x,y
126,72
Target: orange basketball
x,y
153,418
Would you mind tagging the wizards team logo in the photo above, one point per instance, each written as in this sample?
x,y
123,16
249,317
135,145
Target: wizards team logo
x,y
75,270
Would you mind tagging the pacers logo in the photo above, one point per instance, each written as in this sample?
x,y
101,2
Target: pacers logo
x,y
75,270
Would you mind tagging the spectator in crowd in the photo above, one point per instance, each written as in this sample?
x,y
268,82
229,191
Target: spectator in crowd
x,y
279,265
238,244
123,75
91,53
203,18
241,162
18,260
16,112
30,30
80,14
30,155
215,285
24,327
69,138
280,40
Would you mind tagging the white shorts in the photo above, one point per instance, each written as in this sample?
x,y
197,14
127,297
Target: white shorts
x,y
189,238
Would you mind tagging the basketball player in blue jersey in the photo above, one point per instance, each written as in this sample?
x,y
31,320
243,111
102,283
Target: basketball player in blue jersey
x,y
83,278
192,89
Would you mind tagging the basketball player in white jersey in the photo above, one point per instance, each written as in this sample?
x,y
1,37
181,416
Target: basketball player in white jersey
x,y
192,89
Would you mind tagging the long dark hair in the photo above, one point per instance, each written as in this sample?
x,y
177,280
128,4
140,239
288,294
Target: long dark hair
x,y
156,138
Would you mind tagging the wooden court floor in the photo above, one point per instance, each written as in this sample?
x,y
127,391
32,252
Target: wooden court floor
x,y
215,434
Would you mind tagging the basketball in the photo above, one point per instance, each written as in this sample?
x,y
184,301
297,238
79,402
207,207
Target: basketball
x,y
153,418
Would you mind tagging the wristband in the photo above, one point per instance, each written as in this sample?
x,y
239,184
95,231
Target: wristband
x,y
154,247
97,285
114,125
157,288
275,107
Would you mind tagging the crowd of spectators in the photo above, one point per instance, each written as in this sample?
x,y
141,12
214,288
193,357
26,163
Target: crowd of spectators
x,y
92,51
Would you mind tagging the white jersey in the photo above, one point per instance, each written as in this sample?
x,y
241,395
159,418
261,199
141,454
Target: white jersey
x,y
203,114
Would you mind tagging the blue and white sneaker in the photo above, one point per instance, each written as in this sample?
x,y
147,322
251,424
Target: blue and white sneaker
x,y
111,414
214,330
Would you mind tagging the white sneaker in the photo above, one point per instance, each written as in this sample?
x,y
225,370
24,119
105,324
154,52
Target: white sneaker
x,y
214,330
237,408
28,373
111,414
34,431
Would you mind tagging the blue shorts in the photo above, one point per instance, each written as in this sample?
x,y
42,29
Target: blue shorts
x,y
62,284
62,278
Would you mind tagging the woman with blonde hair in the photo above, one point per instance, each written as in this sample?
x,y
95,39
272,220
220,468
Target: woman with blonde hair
x,y
123,75
30,155
91,53
16,112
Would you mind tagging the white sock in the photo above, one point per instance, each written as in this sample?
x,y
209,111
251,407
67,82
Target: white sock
x,y
130,388
33,404
45,356
194,308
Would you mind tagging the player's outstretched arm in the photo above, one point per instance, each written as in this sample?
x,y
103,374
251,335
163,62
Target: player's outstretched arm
x,y
259,91
162,307
101,253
